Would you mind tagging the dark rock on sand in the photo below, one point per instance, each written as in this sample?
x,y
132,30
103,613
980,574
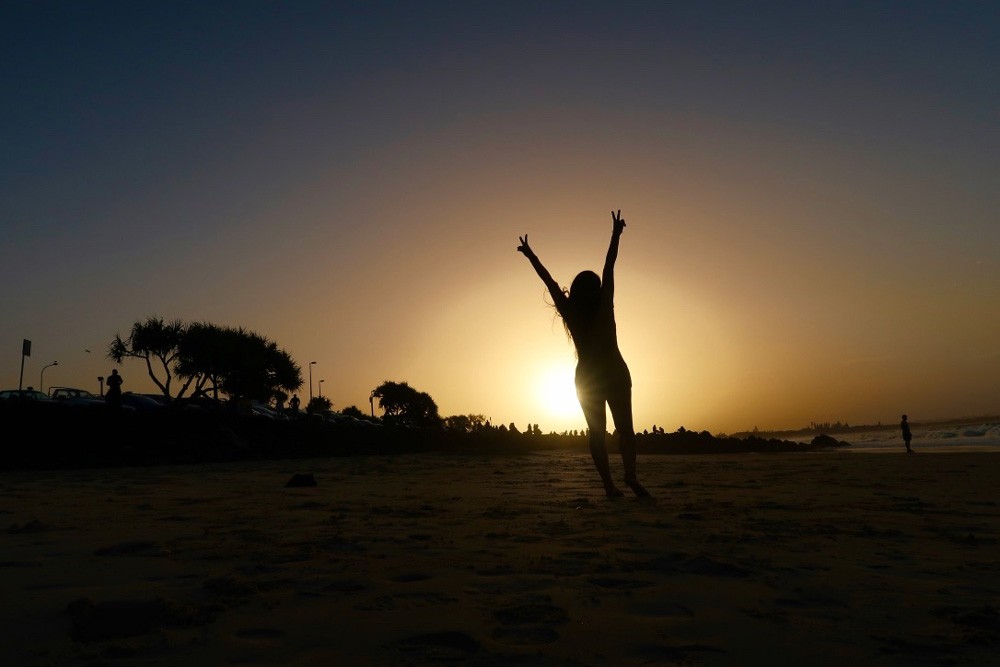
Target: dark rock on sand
x,y
300,480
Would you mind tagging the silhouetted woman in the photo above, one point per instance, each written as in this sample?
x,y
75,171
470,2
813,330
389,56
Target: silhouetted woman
x,y
588,311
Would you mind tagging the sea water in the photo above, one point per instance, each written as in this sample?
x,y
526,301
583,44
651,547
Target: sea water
x,y
950,438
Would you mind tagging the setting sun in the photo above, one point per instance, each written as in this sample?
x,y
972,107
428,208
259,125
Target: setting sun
x,y
557,393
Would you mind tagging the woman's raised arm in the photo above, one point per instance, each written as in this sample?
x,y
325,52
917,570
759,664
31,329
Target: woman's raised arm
x,y
618,226
558,297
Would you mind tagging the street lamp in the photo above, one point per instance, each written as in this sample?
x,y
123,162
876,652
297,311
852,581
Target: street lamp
x,y
321,388
311,364
371,402
41,376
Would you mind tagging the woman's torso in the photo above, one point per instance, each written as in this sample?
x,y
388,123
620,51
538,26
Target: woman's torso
x,y
599,361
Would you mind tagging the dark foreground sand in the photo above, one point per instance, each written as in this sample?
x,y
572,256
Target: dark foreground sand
x,y
775,559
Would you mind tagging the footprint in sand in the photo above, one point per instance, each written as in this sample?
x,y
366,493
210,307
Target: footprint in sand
x,y
33,526
684,653
531,613
619,583
410,577
449,645
659,609
134,548
525,636
529,624
116,619
260,635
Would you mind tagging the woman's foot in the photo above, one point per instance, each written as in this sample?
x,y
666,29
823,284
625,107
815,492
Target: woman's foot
x,y
613,491
638,489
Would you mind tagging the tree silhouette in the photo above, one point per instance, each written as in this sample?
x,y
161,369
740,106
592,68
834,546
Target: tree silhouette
x,y
155,342
251,366
279,397
404,405
318,404
238,362
465,423
200,357
354,411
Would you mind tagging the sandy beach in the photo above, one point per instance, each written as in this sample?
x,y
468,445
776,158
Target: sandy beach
x,y
806,558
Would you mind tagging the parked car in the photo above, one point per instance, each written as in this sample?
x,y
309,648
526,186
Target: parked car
x,y
199,404
158,398
141,402
23,395
341,419
261,410
80,398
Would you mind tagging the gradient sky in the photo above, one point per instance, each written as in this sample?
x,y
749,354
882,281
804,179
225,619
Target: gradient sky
x,y
811,192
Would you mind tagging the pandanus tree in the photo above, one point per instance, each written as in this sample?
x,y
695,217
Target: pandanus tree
x,y
212,359
254,367
156,342
200,354
238,362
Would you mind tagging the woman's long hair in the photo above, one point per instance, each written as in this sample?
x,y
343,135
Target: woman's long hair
x,y
583,301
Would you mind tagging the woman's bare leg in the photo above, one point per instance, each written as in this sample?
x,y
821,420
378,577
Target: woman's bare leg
x,y
621,412
598,424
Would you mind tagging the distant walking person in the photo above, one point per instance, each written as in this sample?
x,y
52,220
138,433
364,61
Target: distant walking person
x,y
294,403
602,377
114,393
907,436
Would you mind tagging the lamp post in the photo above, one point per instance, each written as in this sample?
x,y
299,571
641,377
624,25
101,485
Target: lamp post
x,y
371,402
311,364
321,388
41,376
100,378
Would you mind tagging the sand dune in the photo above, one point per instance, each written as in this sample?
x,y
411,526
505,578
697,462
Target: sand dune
x,y
822,559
